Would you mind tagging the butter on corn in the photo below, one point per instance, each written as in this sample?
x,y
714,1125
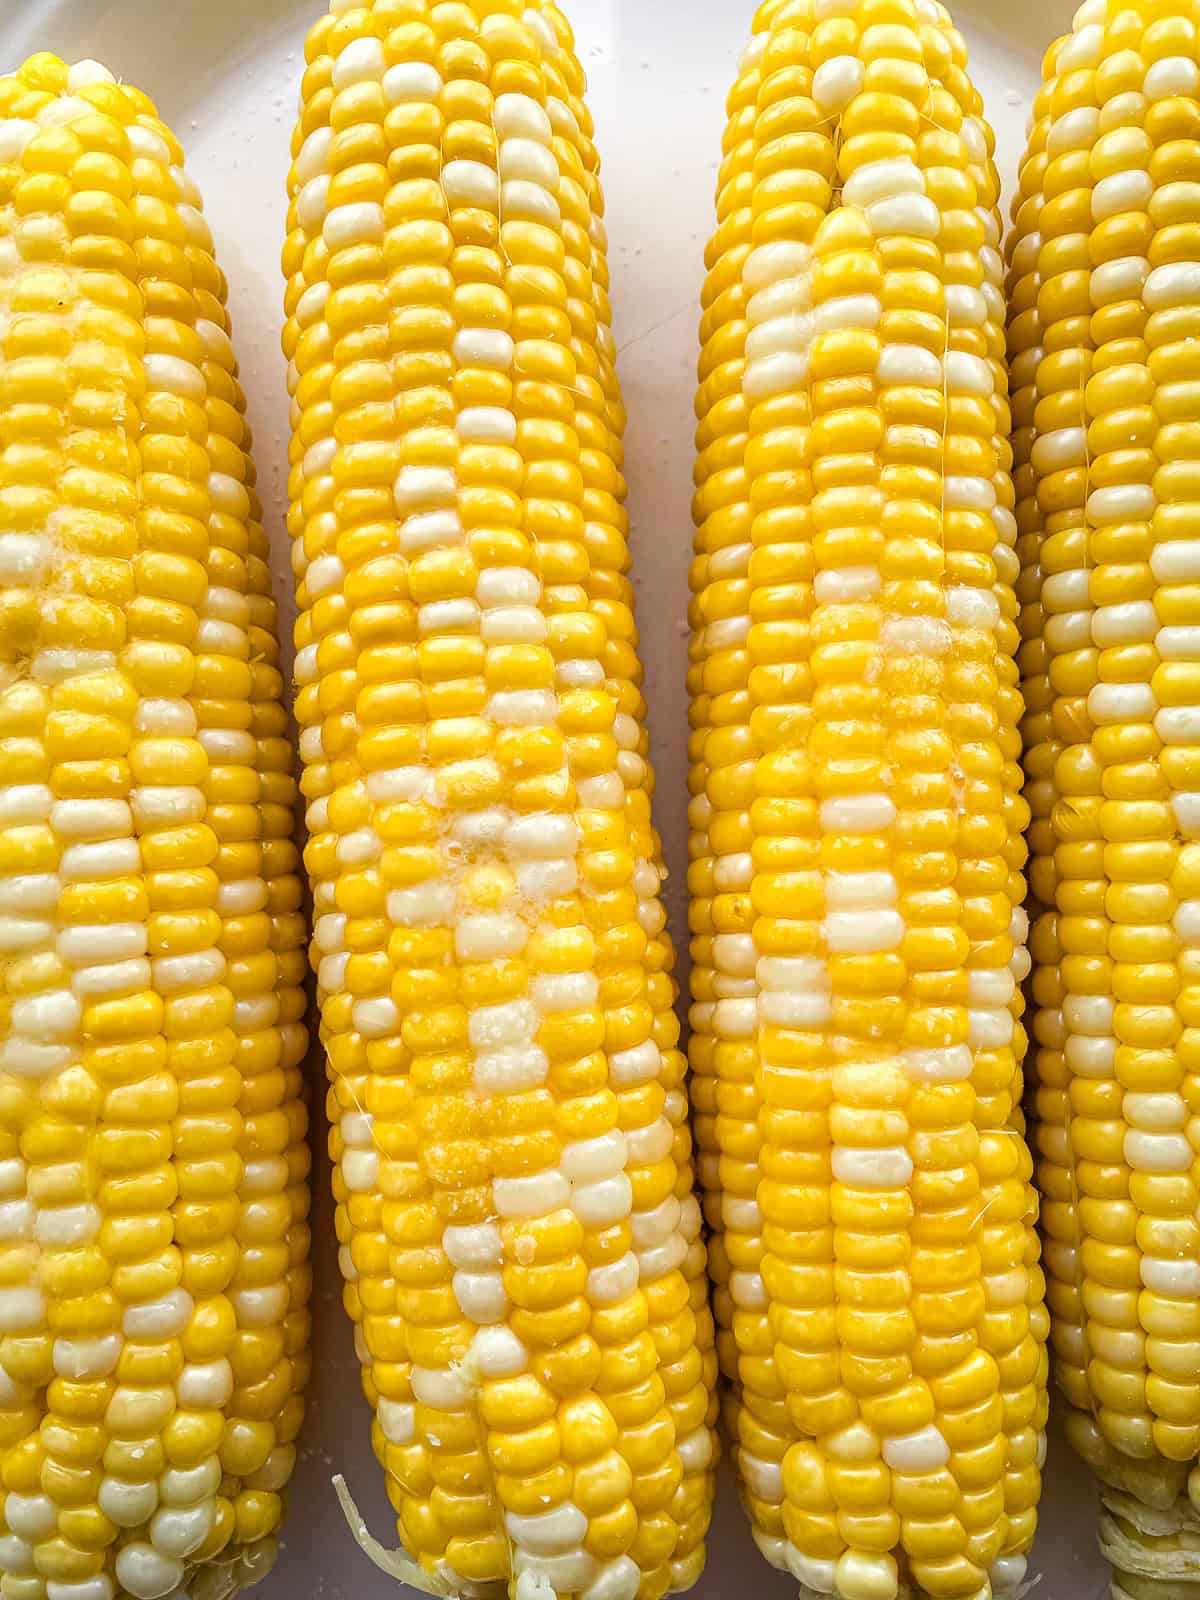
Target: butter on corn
x,y
153,1169
519,1239
857,854
1105,312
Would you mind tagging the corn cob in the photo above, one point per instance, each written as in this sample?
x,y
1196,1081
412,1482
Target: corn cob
x,y
857,853
1105,279
513,1174
153,1166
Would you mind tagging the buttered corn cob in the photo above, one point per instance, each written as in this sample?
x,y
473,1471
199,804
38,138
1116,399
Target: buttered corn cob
x,y
1105,314
153,1193
513,1176
857,853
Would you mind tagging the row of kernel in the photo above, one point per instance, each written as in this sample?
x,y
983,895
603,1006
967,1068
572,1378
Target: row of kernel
x,y
1043,742
644,1141
1060,459
258,899
184,925
1014,1287
1136,471
351,566
325,646
667,1233
1157,1107
40,1026
1077,122
717,689
790,990
759,1426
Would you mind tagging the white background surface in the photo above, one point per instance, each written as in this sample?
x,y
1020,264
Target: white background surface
x,y
225,74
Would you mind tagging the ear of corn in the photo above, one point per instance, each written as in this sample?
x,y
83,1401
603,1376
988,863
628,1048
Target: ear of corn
x,y
153,1195
1105,275
857,848
513,1176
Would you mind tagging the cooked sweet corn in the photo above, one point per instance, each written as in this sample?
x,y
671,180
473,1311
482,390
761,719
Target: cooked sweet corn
x,y
857,853
153,1194
1105,313
520,1245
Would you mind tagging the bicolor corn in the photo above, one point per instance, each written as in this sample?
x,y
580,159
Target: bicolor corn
x,y
520,1241
857,850
1104,316
153,1167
